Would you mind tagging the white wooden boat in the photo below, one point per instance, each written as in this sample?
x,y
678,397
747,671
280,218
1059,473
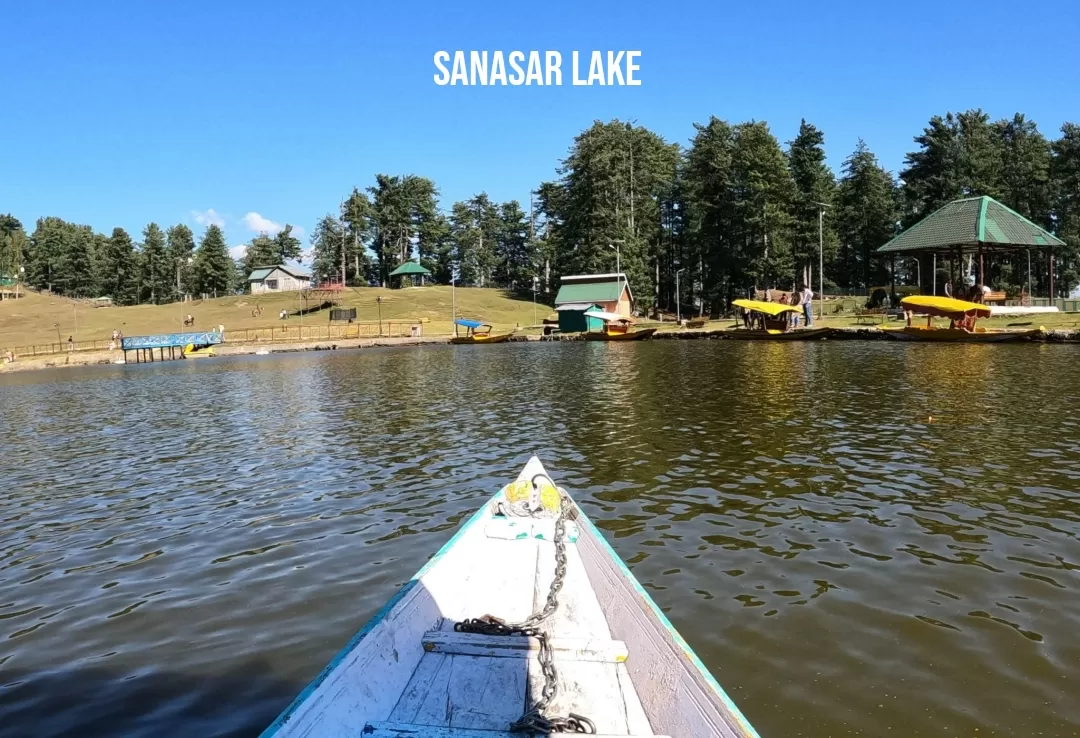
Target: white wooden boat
x,y
619,667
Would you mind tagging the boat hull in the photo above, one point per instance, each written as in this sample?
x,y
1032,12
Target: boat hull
x,y
193,353
798,334
407,672
628,336
955,335
466,340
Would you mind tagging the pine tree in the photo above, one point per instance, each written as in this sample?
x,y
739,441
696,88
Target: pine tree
x,y
400,206
710,254
43,252
514,262
474,227
286,245
764,192
1025,170
866,218
326,243
960,155
119,278
360,228
213,267
261,252
814,187
12,247
180,252
76,262
1065,169
155,269
240,274
609,195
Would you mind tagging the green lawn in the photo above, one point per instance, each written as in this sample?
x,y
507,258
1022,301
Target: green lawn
x,y
36,318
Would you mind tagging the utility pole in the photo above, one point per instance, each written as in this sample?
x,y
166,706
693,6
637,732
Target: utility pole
x,y
821,259
343,246
618,268
678,306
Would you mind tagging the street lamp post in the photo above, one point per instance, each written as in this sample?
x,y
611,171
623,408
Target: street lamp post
x,y
453,295
378,301
821,258
536,281
678,301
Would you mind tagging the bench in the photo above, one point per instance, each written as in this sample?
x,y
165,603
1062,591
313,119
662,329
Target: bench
x,y
998,296
870,318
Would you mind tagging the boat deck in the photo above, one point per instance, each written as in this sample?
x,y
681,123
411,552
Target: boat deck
x,y
470,684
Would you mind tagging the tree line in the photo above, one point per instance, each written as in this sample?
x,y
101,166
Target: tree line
x,y
733,209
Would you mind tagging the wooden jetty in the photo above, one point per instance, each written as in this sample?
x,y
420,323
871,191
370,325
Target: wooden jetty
x,y
170,346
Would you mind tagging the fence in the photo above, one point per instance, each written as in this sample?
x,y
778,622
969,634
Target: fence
x,y
44,349
325,332
277,334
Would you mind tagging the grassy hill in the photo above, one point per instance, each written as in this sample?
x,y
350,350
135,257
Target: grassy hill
x,y
35,318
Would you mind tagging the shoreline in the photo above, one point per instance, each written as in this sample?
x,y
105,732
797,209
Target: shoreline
x,y
105,357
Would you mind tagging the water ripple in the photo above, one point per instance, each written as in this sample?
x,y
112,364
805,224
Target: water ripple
x,y
858,539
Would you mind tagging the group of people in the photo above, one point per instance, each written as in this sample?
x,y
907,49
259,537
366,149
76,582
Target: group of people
x,y
802,298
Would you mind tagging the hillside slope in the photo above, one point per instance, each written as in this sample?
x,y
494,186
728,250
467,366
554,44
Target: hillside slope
x,y
39,319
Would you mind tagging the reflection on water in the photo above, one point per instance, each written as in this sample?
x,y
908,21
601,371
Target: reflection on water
x,y
858,539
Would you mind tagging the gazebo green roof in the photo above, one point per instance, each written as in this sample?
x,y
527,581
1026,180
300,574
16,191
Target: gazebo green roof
x,y
971,225
410,267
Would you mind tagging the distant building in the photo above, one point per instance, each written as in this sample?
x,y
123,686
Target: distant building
x,y
579,293
278,278
610,291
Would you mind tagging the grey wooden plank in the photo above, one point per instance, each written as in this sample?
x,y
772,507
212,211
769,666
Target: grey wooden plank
x,y
637,722
476,644
587,688
406,730
420,686
430,707
579,614
486,693
676,696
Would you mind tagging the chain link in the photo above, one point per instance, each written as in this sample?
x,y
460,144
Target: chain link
x,y
534,720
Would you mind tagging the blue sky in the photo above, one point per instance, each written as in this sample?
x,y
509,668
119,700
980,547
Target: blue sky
x,y
119,113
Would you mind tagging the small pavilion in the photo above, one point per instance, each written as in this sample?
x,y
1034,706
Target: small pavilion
x,y
973,226
411,269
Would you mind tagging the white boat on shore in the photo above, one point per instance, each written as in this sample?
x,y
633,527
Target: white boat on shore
x,y
525,621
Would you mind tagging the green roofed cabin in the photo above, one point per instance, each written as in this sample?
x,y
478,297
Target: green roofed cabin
x,y
583,292
611,292
572,318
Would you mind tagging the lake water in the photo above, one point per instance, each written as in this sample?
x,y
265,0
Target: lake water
x,y
858,539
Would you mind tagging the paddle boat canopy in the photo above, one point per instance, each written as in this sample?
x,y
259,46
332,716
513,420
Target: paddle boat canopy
x,y
476,332
962,316
773,321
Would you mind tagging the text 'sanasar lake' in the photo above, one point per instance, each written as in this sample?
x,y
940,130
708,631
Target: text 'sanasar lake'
x,y
612,68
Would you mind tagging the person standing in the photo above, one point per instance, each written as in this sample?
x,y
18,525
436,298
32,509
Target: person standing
x,y
948,287
808,305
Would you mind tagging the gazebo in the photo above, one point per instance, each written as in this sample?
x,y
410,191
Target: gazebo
x,y
411,269
973,226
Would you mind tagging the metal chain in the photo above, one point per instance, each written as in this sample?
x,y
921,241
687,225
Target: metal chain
x,y
534,720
